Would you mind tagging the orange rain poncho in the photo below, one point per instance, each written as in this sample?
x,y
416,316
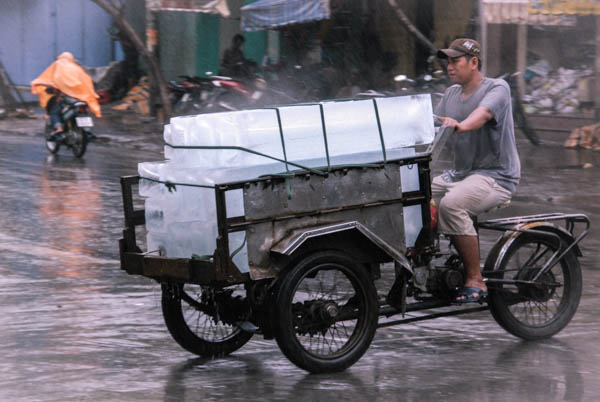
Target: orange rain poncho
x,y
69,78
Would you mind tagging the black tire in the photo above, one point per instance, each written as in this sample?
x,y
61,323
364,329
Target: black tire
x,y
78,141
223,102
521,122
322,286
534,312
186,108
193,329
51,146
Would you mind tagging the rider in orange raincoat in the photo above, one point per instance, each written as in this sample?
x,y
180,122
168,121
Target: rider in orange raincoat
x,y
64,76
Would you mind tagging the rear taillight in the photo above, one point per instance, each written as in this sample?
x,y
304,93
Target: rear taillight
x,y
83,109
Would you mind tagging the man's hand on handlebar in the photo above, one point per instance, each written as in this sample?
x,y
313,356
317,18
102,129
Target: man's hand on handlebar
x,y
447,121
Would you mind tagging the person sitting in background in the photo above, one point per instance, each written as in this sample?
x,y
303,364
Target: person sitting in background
x,y
234,63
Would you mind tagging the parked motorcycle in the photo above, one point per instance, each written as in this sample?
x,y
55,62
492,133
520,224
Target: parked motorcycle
x,y
218,93
189,95
519,116
235,94
77,123
195,95
433,84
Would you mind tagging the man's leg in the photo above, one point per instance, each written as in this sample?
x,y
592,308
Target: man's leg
x,y
54,113
469,197
468,248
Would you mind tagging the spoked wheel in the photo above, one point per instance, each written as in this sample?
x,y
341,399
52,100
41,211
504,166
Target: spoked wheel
x,y
78,141
540,309
325,312
203,320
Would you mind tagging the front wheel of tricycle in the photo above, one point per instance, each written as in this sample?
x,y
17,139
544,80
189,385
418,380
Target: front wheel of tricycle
x,y
202,320
325,312
540,309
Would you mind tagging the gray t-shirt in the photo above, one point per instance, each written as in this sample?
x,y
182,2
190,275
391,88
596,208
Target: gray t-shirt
x,y
489,150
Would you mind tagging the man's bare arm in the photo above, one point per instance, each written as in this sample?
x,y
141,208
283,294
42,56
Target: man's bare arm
x,y
475,120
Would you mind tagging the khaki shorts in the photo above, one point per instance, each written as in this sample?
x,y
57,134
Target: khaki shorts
x,y
457,201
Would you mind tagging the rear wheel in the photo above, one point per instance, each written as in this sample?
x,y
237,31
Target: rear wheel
x,y
326,312
188,107
543,308
78,141
520,119
223,102
203,320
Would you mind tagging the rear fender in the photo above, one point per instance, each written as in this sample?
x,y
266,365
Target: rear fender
x,y
500,248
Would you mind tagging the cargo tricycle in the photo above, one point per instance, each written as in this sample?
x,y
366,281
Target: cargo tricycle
x,y
319,240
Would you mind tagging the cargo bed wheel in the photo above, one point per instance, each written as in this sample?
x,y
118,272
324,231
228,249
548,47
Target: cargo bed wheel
x,y
325,312
189,315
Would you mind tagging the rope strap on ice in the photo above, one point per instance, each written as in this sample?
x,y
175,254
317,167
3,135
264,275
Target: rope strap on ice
x,y
209,149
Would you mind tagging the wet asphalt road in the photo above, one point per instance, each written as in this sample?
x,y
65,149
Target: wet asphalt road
x,y
74,327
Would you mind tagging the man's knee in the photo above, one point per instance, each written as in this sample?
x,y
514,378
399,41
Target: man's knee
x,y
452,205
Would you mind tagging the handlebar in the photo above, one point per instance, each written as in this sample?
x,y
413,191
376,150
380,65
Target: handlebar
x,y
439,141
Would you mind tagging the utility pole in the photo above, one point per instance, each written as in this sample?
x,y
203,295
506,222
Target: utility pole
x,y
151,30
483,36
597,68
151,44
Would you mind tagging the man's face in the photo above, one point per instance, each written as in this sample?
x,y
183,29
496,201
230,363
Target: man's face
x,y
461,69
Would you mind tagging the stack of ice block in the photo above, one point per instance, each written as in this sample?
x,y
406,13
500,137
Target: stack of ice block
x,y
183,222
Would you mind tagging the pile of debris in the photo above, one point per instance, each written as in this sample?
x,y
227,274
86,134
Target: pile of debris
x,y
562,91
587,137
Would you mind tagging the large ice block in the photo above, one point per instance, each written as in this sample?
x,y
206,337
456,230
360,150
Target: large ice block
x,y
303,135
352,132
152,171
340,129
257,130
183,222
406,120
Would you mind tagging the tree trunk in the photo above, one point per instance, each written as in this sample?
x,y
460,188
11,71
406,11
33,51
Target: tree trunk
x,y
409,25
156,77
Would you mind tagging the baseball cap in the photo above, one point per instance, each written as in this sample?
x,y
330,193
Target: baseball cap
x,y
461,47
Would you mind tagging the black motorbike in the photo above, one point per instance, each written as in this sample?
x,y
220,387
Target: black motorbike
x,y
77,123
519,116
188,96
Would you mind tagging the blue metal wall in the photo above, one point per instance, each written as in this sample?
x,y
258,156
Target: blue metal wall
x,y
34,32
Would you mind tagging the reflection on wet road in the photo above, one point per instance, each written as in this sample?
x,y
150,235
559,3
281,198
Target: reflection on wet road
x,y
74,327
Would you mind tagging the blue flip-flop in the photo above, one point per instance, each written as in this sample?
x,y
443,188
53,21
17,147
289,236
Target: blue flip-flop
x,y
470,294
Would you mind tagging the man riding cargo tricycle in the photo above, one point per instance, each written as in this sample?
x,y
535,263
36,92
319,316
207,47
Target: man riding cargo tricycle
x,y
319,240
